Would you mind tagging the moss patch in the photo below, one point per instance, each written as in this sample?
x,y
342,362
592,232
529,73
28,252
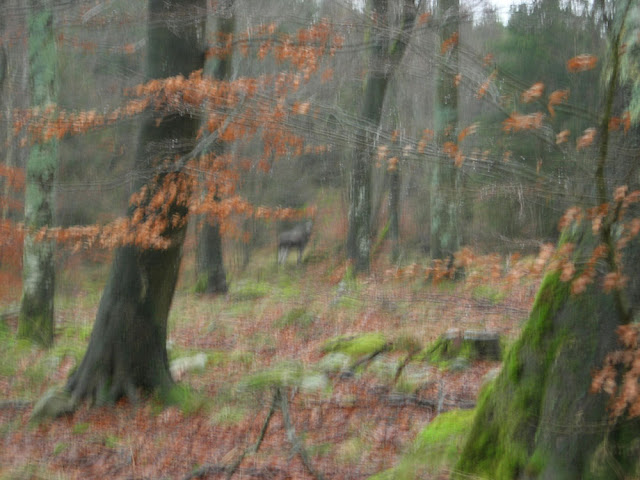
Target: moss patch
x,y
501,442
357,346
436,448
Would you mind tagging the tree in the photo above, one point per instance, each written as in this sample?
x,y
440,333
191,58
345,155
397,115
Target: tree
x,y
446,197
385,55
36,309
127,348
209,263
539,419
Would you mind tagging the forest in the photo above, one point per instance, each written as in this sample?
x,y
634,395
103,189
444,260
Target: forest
x,y
320,239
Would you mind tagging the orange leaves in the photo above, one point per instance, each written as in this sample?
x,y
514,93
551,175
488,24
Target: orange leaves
x,y
223,46
517,122
621,366
614,281
586,139
327,75
13,176
533,93
449,43
300,108
427,136
624,121
424,18
450,149
486,84
556,98
606,216
582,63
471,129
562,137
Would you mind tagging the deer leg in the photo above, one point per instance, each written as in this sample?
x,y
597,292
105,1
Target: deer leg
x,y
282,257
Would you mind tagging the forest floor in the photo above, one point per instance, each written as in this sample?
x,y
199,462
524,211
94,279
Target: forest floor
x,y
353,415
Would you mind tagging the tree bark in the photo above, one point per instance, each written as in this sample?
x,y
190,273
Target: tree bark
x,y
539,419
211,275
127,348
446,197
35,321
384,58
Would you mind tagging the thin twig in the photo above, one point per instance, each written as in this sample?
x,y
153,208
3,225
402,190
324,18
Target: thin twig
x,y
296,443
256,446
231,469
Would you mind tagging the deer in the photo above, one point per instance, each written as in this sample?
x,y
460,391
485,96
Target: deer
x,y
296,237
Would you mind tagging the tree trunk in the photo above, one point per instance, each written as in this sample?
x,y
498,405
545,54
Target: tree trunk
x,y
127,349
35,321
383,61
538,420
446,197
209,262
394,212
211,275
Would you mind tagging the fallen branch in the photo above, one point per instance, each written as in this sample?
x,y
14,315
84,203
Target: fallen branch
x,y
231,469
18,404
256,446
296,443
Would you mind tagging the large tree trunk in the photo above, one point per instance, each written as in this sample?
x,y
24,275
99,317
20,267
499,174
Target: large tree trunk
x,y
383,61
538,420
35,321
127,349
211,274
446,195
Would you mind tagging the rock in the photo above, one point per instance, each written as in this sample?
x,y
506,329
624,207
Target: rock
x,y
486,342
54,403
181,365
470,344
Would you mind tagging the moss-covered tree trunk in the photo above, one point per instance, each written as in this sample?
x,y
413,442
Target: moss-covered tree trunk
x,y
211,274
538,420
35,321
127,348
446,197
385,55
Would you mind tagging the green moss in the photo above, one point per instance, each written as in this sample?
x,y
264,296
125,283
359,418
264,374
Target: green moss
x,y
436,448
202,282
80,428
356,346
229,415
488,293
250,291
298,317
285,374
60,447
500,445
189,400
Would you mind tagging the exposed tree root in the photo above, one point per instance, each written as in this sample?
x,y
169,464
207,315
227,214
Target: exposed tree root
x,y
279,401
15,404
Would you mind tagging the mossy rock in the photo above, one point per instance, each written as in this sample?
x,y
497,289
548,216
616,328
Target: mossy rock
x,y
468,345
56,402
297,317
357,346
